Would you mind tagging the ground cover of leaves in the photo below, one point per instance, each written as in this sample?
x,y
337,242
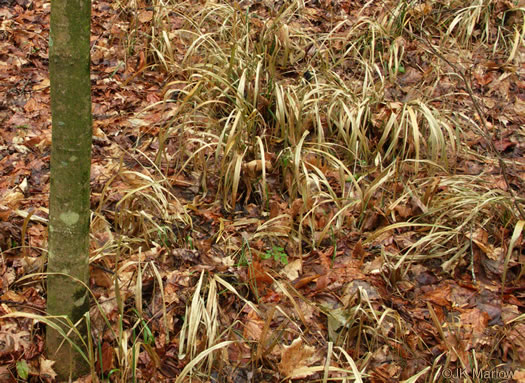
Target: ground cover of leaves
x,y
422,271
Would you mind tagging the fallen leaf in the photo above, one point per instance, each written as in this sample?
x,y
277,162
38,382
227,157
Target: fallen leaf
x,y
107,358
46,369
439,296
292,269
145,16
253,326
295,358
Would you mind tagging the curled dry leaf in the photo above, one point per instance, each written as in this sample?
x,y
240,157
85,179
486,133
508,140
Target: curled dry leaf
x,y
292,270
255,166
46,369
295,358
145,16
11,341
253,326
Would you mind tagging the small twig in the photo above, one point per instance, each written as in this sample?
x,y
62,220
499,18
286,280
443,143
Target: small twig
x,y
472,257
26,305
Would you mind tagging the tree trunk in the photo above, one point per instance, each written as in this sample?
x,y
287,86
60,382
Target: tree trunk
x,y
69,207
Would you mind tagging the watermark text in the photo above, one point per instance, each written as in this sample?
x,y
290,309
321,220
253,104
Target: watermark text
x,y
477,375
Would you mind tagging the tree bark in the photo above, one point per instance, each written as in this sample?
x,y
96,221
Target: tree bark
x,y
69,207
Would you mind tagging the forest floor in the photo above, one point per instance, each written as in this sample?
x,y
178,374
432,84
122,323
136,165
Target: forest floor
x,y
307,191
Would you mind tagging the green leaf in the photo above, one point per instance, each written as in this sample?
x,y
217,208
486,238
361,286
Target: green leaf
x,y
22,369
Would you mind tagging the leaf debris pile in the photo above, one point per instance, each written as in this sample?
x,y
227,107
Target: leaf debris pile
x,y
279,189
